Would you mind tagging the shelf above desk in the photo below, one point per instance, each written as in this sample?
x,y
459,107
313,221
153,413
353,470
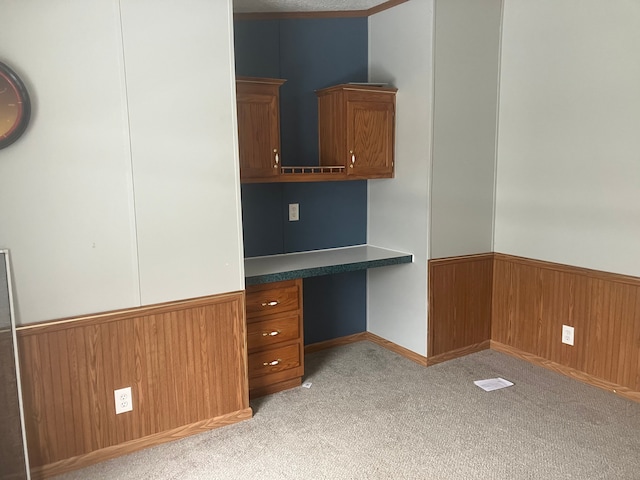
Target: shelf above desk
x,y
288,266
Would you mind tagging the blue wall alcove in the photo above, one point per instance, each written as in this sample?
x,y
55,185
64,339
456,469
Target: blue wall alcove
x,y
310,54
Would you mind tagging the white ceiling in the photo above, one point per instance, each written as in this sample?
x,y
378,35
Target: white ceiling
x,y
252,6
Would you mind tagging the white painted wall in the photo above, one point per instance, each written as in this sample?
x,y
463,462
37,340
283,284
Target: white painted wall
x,y
181,90
466,70
65,187
568,185
67,191
400,52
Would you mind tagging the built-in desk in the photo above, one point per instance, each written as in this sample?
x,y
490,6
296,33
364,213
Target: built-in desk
x,y
274,307
289,266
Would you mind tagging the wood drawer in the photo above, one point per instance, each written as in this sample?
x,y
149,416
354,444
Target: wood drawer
x,y
272,298
265,333
274,360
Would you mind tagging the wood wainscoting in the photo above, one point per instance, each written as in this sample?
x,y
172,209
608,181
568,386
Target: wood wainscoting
x,y
185,361
459,306
532,299
520,305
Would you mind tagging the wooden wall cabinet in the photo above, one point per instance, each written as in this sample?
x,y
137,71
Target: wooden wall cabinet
x,y
258,105
357,128
274,336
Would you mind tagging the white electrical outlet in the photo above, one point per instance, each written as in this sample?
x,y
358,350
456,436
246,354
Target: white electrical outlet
x,y
567,334
294,212
124,400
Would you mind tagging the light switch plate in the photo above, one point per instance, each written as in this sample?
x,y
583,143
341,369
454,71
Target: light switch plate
x,y
294,212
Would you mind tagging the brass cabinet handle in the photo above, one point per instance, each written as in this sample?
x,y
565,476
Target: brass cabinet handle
x,y
272,303
353,158
277,157
272,364
271,334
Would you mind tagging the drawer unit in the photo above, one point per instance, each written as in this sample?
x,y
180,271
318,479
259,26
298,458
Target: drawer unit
x,y
274,336
266,333
274,360
281,297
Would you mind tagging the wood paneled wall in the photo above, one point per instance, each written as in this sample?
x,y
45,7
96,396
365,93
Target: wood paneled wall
x,y
184,361
521,304
459,305
533,299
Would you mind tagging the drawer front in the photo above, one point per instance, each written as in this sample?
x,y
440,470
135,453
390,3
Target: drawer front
x,y
269,332
274,360
272,300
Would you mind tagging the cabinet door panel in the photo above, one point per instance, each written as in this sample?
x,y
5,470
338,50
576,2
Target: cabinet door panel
x,y
370,138
258,136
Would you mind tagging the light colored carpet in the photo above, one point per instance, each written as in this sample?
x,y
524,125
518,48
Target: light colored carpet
x,y
371,414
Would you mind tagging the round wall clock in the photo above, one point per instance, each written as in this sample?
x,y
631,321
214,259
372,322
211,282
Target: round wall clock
x,y
15,107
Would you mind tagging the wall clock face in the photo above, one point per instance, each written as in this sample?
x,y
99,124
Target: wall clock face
x,y
15,108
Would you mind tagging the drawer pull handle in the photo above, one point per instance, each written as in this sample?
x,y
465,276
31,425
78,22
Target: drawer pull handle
x,y
271,334
272,364
272,303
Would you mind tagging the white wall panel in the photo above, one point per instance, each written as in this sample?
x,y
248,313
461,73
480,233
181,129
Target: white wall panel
x,y
181,91
400,45
568,187
467,52
65,187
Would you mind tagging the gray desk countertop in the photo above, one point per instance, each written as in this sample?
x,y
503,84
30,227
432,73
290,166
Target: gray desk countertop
x,y
288,266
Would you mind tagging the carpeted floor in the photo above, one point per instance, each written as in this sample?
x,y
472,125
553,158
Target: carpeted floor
x,y
371,414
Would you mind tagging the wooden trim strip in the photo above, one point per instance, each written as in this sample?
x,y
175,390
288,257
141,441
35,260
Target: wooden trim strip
x,y
384,6
293,15
335,342
371,337
128,313
462,259
567,371
402,351
560,267
114,451
318,14
460,352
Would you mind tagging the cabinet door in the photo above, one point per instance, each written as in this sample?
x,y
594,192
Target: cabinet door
x,y
370,139
258,135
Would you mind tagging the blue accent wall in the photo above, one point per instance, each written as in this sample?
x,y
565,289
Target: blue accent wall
x,y
257,46
334,306
262,219
314,54
332,214
310,54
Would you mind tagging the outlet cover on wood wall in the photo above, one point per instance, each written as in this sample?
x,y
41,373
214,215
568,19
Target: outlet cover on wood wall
x,y
567,334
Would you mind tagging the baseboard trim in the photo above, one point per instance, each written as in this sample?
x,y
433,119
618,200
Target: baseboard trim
x,y
478,347
567,371
372,337
457,353
108,453
394,347
335,342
